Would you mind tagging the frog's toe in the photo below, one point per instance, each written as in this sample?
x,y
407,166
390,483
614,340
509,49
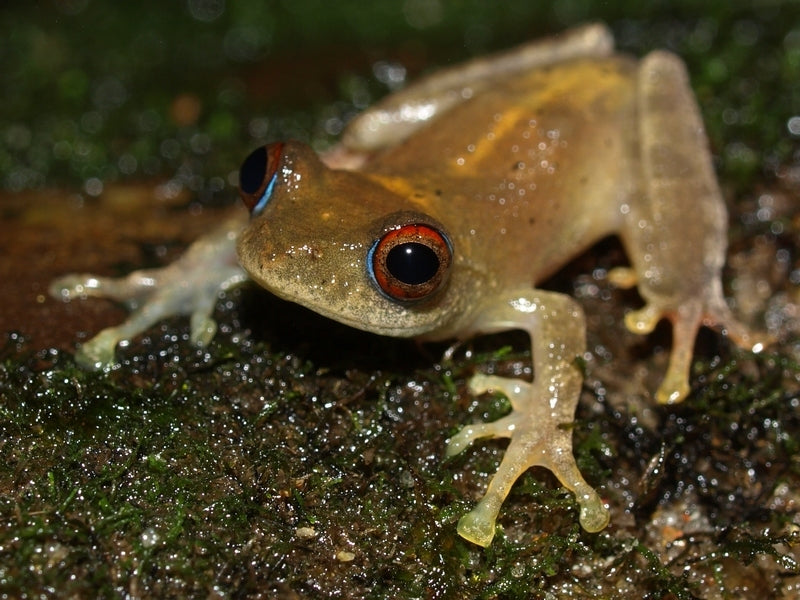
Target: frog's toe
x,y
98,353
477,527
644,320
202,326
623,277
75,285
460,441
686,320
131,289
594,515
674,387
502,428
516,390
720,316
203,329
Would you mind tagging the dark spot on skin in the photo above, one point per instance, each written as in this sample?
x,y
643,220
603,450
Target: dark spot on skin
x,y
531,221
438,192
584,180
518,166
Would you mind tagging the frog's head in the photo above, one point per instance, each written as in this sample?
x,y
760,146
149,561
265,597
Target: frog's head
x,y
344,245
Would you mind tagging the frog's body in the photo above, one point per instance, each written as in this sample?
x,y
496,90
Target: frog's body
x,y
497,173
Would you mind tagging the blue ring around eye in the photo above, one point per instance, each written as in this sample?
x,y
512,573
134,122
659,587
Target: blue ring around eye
x,y
264,200
371,266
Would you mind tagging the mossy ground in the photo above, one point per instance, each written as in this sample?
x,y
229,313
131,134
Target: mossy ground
x,y
297,458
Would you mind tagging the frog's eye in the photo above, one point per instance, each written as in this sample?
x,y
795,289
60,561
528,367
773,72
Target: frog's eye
x,y
257,176
410,262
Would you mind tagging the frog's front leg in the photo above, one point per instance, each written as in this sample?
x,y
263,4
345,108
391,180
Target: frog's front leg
x,y
188,286
677,235
542,412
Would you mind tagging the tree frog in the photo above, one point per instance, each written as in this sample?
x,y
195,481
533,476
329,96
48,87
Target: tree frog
x,y
446,204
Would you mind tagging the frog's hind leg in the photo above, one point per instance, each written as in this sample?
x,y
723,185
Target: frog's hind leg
x,y
677,236
402,113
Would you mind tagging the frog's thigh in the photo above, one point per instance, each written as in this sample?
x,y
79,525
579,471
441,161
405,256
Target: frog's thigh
x,y
676,236
682,218
401,114
541,412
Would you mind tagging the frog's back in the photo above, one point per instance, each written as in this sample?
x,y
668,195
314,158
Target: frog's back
x,y
515,115
542,156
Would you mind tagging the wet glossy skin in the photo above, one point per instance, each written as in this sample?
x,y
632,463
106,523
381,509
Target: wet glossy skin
x,y
511,166
522,178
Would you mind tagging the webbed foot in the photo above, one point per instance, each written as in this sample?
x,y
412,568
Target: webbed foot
x,y
686,320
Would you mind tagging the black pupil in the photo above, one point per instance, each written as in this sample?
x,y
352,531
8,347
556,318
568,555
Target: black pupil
x,y
412,263
253,171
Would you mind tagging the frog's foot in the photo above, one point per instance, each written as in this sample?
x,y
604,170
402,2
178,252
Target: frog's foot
x,y
189,286
159,294
686,320
539,437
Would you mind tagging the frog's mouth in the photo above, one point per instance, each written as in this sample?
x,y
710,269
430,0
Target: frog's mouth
x,y
377,315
